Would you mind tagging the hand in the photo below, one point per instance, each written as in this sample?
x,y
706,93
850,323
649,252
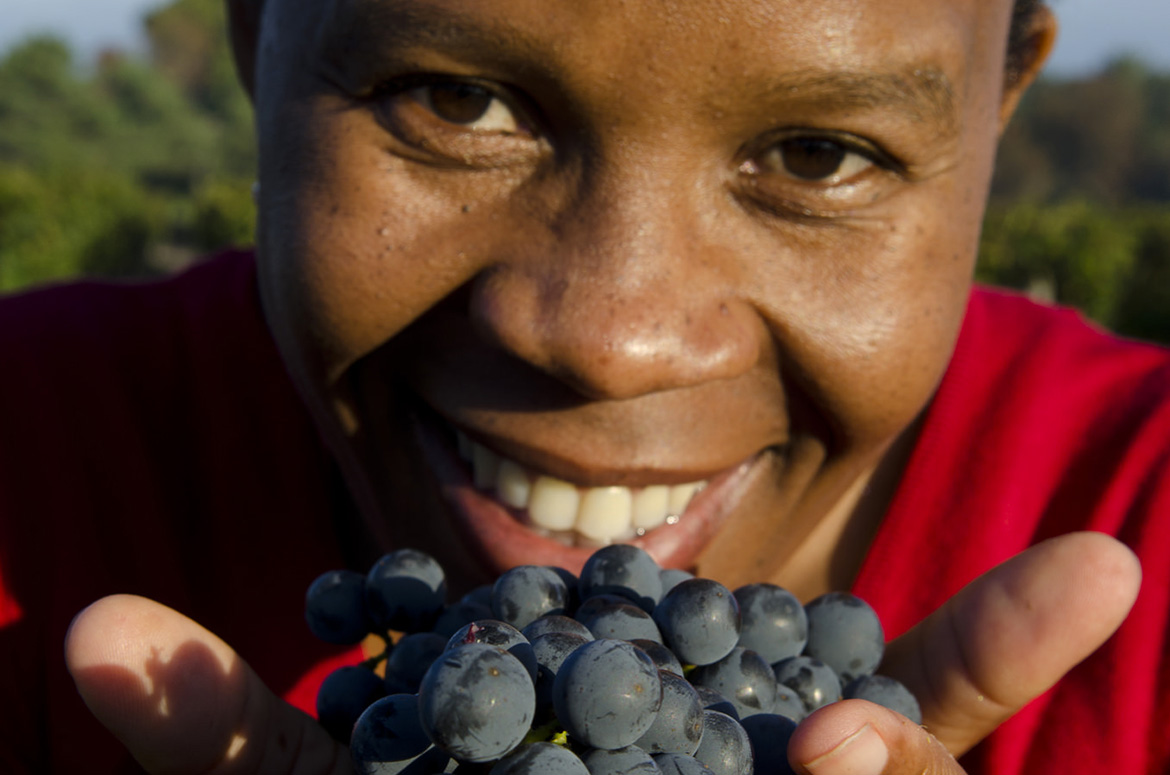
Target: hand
x,y
996,645
182,701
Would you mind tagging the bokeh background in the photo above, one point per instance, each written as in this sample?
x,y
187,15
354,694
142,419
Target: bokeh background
x,y
126,151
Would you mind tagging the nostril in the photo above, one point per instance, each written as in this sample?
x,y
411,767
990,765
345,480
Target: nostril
x,y
616,335
613,357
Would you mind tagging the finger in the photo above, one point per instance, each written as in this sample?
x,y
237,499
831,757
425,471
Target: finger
x,y
1008,636
182,701
855,737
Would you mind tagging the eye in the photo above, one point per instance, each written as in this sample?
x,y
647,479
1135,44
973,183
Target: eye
x,y
822,160
813,173
459,123
467,105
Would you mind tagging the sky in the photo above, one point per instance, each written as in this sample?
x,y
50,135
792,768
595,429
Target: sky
x,y
1092,31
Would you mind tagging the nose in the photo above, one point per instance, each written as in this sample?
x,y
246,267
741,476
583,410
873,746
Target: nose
x,y
626,291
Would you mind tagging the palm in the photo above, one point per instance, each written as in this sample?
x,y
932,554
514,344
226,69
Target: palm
x,y
182,701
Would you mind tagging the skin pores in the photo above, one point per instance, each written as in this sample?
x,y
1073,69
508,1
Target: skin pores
x,y
623,246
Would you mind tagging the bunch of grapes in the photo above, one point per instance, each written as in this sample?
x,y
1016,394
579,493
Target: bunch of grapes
x,y
628,668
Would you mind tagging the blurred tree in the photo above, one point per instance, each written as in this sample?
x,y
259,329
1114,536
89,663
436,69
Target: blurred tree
x,y
189,45
1143,309
1104,139
56,225
160,148
1074,253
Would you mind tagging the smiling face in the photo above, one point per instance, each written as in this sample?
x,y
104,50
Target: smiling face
x,y
618,250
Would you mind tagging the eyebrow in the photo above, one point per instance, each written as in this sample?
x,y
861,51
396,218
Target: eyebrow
x,y
921,92
405,24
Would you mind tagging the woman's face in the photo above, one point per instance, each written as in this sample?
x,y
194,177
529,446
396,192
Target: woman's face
x,y
620,247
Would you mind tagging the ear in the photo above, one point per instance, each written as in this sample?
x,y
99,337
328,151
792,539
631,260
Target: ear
x,y
244,27
1038,40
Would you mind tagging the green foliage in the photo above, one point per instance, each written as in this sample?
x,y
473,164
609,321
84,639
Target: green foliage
x,y
1074,251
54,226
223,214
127,168
1143,309
1114,264
1080,210
1104,139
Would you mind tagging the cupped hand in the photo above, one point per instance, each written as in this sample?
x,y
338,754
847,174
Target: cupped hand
x,y
182,701
1000,642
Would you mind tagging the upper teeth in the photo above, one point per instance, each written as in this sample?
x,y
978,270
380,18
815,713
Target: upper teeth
x,y
600,515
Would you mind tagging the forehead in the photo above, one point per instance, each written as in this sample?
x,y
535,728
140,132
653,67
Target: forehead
x,y
711,42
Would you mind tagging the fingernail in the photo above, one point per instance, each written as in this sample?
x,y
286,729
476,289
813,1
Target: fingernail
x,y
862,753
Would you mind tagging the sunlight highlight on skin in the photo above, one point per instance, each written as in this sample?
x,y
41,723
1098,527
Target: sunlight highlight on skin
x,y
234,748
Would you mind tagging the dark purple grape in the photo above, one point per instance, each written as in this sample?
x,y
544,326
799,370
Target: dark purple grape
x,y
591,605
774,624
713,700
460,614
410,659
813,681
555,623
630,760
699,620
622,621
477,702
770,734
622,569
670,577
456,767
725,747
493,632
481,594
405,591
540,759
845,634
572,583
662,656
887,692
611,668
680,764
388,739
742,677
678,726
335,607
551,650
607,693
344,695
526,593
788,703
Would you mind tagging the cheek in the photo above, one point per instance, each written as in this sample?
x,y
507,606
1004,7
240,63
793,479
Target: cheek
x,y
358,249
876,323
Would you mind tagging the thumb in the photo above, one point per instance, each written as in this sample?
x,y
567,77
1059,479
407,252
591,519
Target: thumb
x,y
1000,642
1012,633
182,701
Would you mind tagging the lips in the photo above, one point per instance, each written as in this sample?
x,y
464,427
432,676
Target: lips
x,y
511,514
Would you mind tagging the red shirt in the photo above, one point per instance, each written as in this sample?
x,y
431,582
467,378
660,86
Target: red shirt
x,y
1043,425
150,442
